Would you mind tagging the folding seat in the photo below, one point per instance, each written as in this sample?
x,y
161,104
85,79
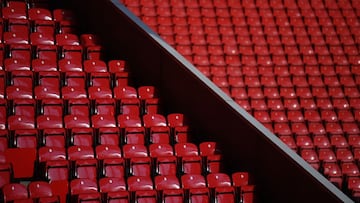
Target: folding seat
x,y
344,155
258,105
299,128
169,187
87,40
143,189
13,192
282,128
133,135
12,64
189,158
81,136
310,156
71,52
73,93
347,80
37,38
304,141
321,141
349,169
97,92
338,141
353,185
345,115
84,189
255,93
324,103
331,81
315,80
46,27
114,189
108,136
25,138
333,172
211,157
46,52
99,79
15,38
69,65
244,190
196,185
328,115
18,92
40,65
66,39
15,12
74,79
351,92
312,115
76,121
129,120
327,155
262,116
316,128
41,191
350,128
354,142
112,165
289,141
138,161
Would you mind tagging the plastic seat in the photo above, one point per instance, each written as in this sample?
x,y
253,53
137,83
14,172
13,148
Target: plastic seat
x,y
54,137
37,38
108,136
95,66
278,116
125,92
14,12
15,38
349,168
69,65
190,160
46,52
164,161
143,188
51,154
42,191
14,191
222,186
84,189
100,92
57,170
344,155
333,172
170,188
196,184
316,128
327,155
44,26
71,52
66,39
13,64
113,167
310,156
339,141
41,65
114,189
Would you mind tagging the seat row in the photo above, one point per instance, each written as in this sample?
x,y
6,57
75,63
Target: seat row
x,y
90,136
261,4
193,188
20,10
304,85
274,50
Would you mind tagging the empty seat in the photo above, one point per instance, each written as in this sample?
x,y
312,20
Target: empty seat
x,y
165,162
14,191
143,189
42,191
196,184
222,186
84,190
170,188
188,154
114,189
